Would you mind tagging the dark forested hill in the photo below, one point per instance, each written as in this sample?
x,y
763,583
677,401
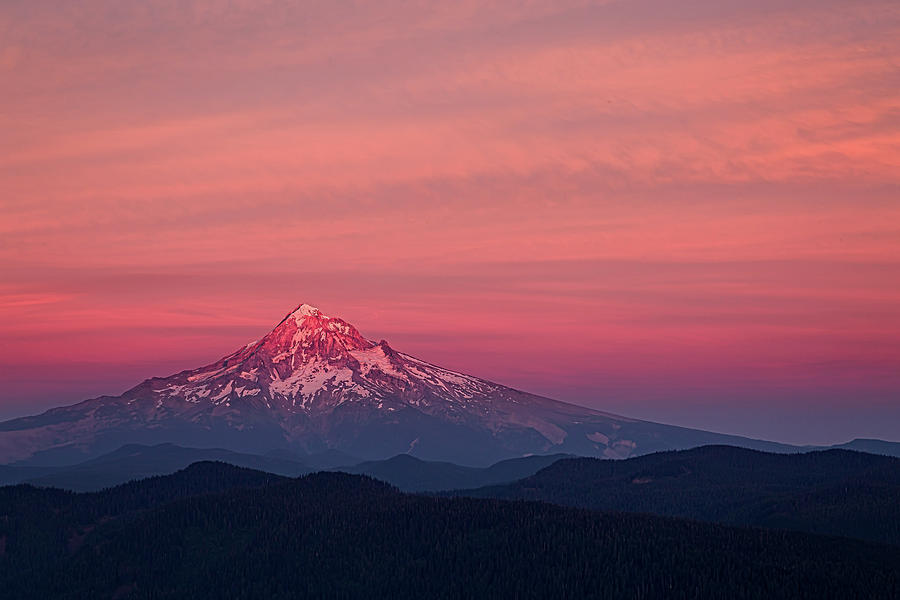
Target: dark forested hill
x,y
836,492
217,531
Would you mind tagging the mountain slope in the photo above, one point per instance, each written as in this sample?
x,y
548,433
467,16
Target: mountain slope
x,y
216,531
314,383
837,492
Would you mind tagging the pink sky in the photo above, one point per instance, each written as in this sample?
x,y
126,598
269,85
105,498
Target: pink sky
x,y
682,211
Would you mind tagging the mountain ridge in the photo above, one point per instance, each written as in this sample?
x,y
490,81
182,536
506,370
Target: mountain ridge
x,y
835,491
135,461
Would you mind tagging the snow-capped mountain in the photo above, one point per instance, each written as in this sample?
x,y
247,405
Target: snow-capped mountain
x,y
315,383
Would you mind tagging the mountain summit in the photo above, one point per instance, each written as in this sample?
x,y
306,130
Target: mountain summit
x,y
314,383
311,364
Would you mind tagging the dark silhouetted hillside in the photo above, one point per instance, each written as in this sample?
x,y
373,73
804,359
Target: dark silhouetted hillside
x,y
218,531
836,492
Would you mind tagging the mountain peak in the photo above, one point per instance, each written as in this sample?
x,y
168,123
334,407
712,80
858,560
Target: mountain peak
x,y
309,334
310,363
306,310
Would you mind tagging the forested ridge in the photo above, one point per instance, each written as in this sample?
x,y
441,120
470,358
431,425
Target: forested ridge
x,y
217,531
836,492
